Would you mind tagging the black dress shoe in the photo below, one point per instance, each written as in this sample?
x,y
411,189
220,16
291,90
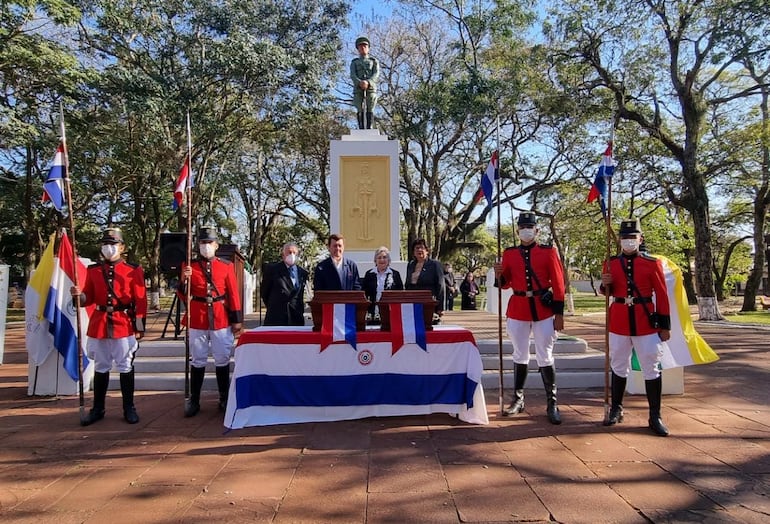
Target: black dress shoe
x,y
130,415
616,416
658,427
554,417
516,407
191,409
95,415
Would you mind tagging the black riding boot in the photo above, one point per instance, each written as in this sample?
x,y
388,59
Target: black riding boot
x,y
519,378
223,384
548,373
654,390
196,383
127,390
361,122
101,382
618,388
369,120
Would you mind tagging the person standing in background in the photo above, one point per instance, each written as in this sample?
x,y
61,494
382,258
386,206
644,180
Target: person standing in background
x,y
336,273
469,289
117,323
283,289
535,275
380,278
450,287
423,272
640,319
215,317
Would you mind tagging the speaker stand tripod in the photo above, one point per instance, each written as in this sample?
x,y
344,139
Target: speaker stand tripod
x,y
174,317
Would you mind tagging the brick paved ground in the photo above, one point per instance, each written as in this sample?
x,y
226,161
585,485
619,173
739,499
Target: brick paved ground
x,y
715,467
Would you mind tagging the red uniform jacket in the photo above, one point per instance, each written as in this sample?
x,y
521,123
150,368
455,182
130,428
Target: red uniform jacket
x,y
630,308
117,290
215,300
544,261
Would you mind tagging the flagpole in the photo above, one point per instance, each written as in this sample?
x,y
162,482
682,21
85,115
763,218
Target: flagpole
x,y
188,295
75,276
607,292
501,392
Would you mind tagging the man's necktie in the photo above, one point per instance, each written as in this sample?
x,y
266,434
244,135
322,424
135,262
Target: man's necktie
x,y
293,273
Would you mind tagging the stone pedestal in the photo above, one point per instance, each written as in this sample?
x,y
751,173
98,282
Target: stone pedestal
x,y
364,205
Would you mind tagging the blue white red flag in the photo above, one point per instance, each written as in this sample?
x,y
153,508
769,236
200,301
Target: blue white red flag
x,y
599,188
60,311
491,175
407,326
183,181
53,188
339,324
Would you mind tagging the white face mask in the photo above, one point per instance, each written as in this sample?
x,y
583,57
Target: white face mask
x,y
110,252
290,259
527,234
207,250
629,245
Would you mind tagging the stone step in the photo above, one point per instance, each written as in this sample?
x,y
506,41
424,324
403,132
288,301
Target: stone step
x,y
159,366
562,345
589,361
564,380
163,381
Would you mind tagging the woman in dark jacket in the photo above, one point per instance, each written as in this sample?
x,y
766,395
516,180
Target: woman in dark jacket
x,y
378,279
423,272
469,289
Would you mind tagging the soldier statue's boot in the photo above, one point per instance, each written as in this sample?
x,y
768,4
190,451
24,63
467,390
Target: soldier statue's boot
x,y
519,378
369,120
101,382
654,390
196,383
127,390
548,374
361,122
223,384
616,408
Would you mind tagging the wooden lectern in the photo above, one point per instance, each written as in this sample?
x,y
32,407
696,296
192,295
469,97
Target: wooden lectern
x,y
410,296
339,297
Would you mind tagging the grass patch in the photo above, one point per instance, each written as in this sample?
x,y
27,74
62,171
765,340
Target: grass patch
x,y
749,317
588,303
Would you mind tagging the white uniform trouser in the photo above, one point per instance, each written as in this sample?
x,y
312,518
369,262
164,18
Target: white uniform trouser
x,y
219,341
106,350
542,332
648,351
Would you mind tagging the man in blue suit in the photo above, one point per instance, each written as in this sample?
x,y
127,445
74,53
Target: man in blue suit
x,y
336,272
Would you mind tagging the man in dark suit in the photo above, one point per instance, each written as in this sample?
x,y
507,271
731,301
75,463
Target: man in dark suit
x,y
283,289
336,272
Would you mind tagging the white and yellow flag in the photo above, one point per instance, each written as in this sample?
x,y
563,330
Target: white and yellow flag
x,y
685,347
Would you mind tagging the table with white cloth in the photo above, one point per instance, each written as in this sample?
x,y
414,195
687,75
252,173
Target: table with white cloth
x,y
289,375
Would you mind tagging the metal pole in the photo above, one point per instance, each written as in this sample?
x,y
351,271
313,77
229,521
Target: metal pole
x,y
75,276
501,392
188,295
607,293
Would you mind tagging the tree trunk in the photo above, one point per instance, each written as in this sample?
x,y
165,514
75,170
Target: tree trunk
x,y
708,307
755,276
689,288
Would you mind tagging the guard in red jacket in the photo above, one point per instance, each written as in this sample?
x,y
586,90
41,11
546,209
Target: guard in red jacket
x,y
117,289
535,275
639,318
214,319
